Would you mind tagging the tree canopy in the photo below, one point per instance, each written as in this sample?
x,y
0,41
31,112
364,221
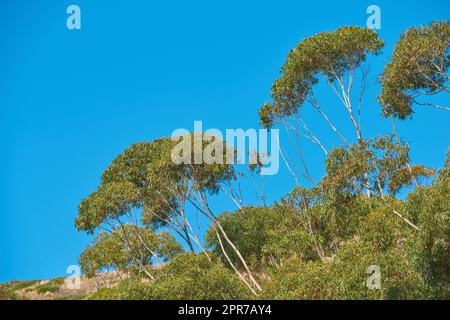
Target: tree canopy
x,y
418,67
331,55
372,209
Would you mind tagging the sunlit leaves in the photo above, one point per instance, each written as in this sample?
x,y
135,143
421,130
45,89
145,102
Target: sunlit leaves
x,y
144,177
110,200
187,277
371,165
418,67
128,249
328,54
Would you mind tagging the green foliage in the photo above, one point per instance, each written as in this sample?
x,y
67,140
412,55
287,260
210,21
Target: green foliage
x,y
399,280
267,236
104,294
328,54
431,246
187,276
119,250
251,230
51,286
190,276
124,185
316,245
129,289
382,230
114,199
297,279
371,165
134,180
345,276
418,66
20,285
318,242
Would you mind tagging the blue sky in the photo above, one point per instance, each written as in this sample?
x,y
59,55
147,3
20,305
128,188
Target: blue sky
x,y
72,100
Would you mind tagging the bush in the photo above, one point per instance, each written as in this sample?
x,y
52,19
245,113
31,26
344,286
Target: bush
x,y
7,294
187,277
191,276
345,277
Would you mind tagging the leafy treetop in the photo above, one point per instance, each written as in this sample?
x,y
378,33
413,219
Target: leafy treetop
x,y
418,67
329,54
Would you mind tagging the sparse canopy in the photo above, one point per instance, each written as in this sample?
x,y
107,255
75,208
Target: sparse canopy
x,y
144,177
375,165
418,68
128,249
124,185
328,54
145,181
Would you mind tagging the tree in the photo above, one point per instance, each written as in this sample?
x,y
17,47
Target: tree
x,y
144,185
250,230
334,56
418,67
131,250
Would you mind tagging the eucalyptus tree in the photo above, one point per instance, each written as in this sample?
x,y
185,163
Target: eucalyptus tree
x,y
129,250
418,69
372,166
144,186
313,223
335,59
331,56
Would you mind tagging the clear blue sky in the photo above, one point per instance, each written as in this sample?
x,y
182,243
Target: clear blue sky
x,y
70,101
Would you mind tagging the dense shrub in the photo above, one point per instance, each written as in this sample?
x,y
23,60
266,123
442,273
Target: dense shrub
x,y
187,276
345,277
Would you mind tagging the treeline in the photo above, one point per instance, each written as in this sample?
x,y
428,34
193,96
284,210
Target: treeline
x,y
348,236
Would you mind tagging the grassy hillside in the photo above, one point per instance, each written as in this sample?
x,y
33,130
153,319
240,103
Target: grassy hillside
x,y
56,289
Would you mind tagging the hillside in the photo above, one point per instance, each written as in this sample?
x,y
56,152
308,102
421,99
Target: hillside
x,y
58,288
